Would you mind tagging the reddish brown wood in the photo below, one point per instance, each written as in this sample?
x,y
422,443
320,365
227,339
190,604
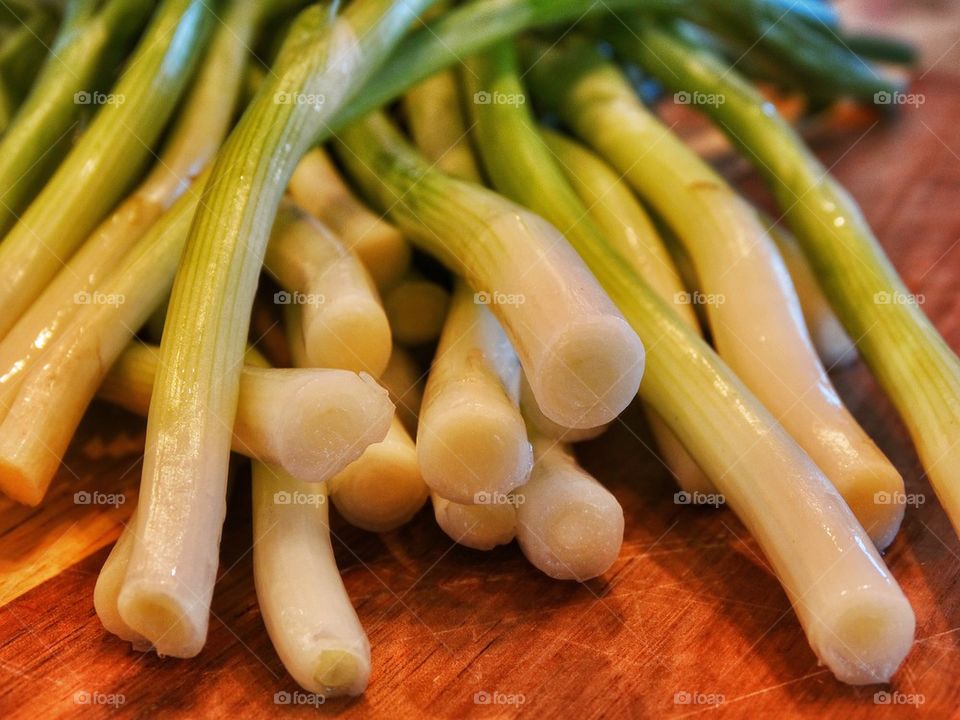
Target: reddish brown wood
x,y
688,607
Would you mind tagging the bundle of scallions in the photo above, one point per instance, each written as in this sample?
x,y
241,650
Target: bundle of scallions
x,y
385,173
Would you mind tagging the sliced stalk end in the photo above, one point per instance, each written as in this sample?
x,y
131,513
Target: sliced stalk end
x,y
157,615
582,382
470,452
568,525
383,489
20,483
867,636
354,335
416,309
481,527
339,671
876,496
339,416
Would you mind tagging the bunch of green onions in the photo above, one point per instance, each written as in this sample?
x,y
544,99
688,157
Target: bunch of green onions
x,y
540,267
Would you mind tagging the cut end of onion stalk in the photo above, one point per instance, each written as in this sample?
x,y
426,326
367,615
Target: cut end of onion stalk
x,y
337,671
876,496
150,612
481,527
362,320
467,452
382,489
107,589
546,427
312,421
865,637
604,349
568,524
341,414
416,309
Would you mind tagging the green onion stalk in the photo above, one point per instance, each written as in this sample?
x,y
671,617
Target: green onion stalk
x,y
581,358
91,38
382,488
106,159
323,63
311,422
316,186
624,223
752,306
193,141
343,324
22,52
435,117
304,605
915,366
856,618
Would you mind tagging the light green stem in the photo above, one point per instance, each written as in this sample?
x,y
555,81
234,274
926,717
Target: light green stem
x,y
108,157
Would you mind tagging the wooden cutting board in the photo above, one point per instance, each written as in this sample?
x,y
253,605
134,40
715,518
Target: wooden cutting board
x,y
688,616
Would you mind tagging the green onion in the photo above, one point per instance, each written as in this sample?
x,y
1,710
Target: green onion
x,y
109,582
110,154
438,127
143,278
304,605
464,31
54,395
471,440
310,422
416,308
89,41
568,524
343,323
481,527
172,570
318,188
541,425
834,346
755,316
551,308
912,362
383,488
23,48
855,616
630,231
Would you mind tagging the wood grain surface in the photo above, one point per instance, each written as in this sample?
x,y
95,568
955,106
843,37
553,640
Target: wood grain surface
x,y
689,619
